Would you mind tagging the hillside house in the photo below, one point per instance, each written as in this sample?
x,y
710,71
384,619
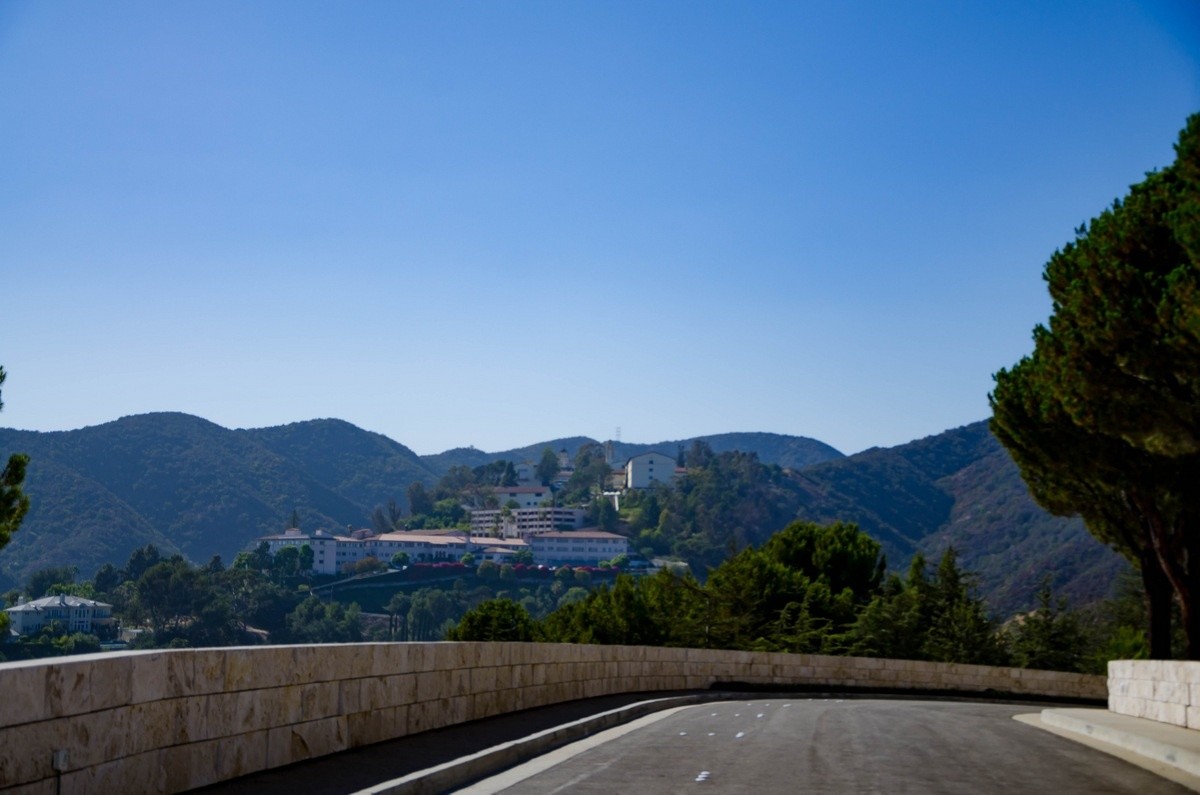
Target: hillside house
x,y
71,613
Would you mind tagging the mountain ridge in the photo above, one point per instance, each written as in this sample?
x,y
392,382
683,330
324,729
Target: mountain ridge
x,y
189,485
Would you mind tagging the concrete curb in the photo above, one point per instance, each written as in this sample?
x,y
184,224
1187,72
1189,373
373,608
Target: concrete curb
x,y
1173,746
489,761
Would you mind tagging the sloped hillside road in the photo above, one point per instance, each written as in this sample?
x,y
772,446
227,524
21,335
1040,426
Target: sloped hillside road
x,y
830,745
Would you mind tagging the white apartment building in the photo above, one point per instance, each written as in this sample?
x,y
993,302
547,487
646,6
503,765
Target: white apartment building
x,y
72,613
334,554
586,547
523,521
643,471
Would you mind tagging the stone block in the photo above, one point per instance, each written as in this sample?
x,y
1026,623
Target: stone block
x,y
1193,717
318,700
403,689
24,688
68,689
132,774
241,755
1172,692
427,715
365,728
190,719
190,766
1120,669
155,723
208,669
482,680
448,655
433,685
288,744
1175,714
110,682
98,737
160,674
25,751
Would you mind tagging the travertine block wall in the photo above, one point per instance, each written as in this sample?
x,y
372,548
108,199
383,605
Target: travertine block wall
x,y
166,721
1167,691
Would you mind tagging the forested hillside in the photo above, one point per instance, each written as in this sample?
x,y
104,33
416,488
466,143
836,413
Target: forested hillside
x,y
186,484
182,483
365,468
960,488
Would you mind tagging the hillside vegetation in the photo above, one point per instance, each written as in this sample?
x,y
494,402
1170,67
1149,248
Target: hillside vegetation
x,y
188,485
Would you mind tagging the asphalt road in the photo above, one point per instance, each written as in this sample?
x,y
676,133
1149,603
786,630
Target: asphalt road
x,y
801,745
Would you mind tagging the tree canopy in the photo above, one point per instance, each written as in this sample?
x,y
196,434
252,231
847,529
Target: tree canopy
x,y
1103,418
13,502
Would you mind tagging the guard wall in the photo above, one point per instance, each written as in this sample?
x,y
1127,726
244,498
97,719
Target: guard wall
x,y
171,720
1167,691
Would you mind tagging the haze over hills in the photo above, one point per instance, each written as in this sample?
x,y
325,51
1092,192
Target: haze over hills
x,y
186,484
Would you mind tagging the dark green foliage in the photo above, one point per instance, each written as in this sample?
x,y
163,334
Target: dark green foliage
x,y
419,501
362,467
652,611
314,621
799,592
961,485
547,466
1051,637
729,503
494,620
808,589
41,581
1103,417
960,488
13,502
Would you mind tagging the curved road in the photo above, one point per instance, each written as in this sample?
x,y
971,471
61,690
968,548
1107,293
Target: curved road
x,y
828,745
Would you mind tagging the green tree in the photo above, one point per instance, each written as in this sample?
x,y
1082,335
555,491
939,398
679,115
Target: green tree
x,y
959,628
41,581
399,560
606,515
314,621
13,502
1050,637
397,609
1071,471
547,467
419,501
494,620
140,560
1120,360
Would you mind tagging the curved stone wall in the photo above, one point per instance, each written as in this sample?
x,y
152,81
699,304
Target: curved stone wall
x,y
171,720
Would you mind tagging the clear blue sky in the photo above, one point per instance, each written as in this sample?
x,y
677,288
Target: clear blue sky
x,y
495,223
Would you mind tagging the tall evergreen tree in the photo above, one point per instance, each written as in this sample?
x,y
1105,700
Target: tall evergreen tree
x,y
1120,360
13,502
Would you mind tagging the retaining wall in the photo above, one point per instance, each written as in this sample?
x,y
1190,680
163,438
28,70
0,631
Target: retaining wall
x,y
1167,691
171,720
